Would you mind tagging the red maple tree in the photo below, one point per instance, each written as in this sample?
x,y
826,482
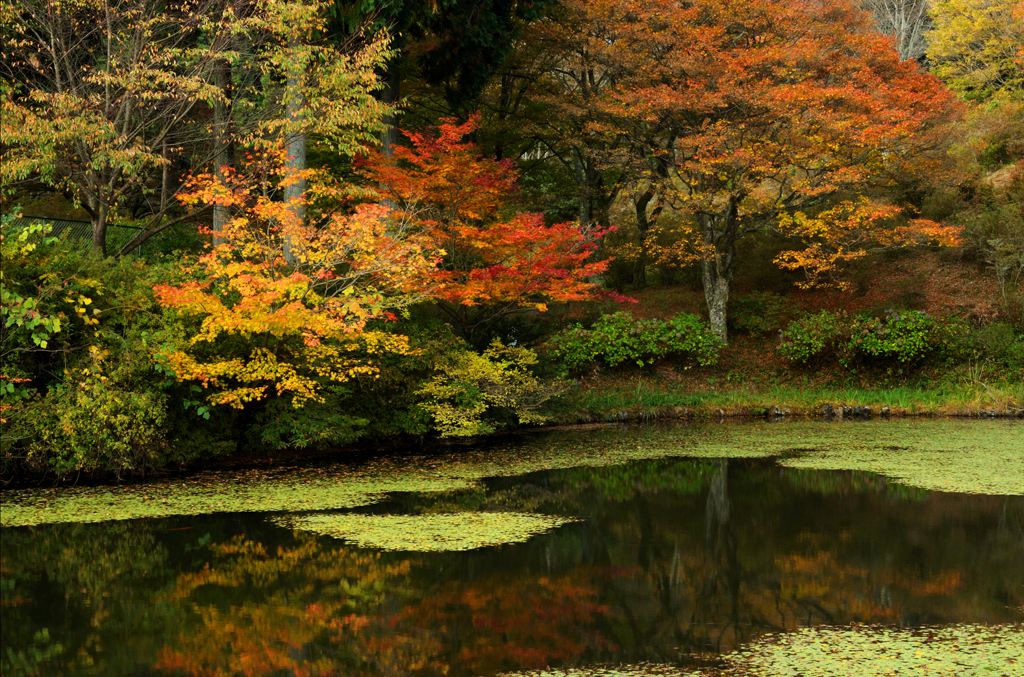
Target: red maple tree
x,y
497,261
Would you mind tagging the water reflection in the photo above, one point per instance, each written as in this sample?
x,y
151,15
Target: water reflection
x,y
673,558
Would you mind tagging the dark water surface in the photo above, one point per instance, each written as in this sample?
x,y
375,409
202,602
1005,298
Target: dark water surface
x,y
672,559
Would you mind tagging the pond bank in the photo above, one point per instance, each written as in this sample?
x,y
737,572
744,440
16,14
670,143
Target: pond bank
x,y
824,412
671,394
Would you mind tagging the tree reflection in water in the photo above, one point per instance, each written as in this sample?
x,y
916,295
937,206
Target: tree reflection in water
x,y
673,558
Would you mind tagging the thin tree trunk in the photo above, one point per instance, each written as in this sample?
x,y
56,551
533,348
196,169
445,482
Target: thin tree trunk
x,y
643,226
92,201
221,144
294,194
390,95
165,177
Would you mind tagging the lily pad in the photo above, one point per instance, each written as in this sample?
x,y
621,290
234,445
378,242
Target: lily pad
x,y
869,651
983,457
635,670
423,533
259,491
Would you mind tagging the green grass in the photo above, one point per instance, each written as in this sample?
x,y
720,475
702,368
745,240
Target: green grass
x,y
652,393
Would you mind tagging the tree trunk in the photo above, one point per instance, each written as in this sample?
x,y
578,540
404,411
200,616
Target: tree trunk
x,y
716,293
390,95
221,143
717,269
165,177
99,231
91,199
294,194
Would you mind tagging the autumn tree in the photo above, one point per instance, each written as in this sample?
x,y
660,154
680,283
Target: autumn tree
x,y
277,325
733,114
976,47
328,89
497,261
289,77
541,107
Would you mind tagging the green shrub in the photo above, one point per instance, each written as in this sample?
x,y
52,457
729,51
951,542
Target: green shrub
x,y
618,338
468,389
91,397
1000,344
812,337
902,338
908,337
442,385
388,400
280,425
103,416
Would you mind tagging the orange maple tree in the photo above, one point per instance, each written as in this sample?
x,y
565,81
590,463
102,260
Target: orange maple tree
x,y
272,323
497,261
733,113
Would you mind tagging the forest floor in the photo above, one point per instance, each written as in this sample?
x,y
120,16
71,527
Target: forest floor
x,y
752,379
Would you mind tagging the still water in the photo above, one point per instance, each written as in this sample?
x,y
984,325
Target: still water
x,y
670,560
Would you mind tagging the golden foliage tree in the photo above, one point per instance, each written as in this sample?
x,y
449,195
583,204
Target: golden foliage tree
x,y
977,46
272,323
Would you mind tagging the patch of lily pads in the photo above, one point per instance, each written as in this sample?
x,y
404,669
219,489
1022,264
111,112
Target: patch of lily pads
x,y
857,651
870,651
634,670
257,491
426,533
938,455
981,457
934,454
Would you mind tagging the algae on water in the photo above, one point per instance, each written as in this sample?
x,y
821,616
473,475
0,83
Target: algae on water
x,y
984,457
434,532
857,651
870,651
211,493
634,670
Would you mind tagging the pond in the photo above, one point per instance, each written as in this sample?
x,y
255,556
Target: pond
x,y
888,547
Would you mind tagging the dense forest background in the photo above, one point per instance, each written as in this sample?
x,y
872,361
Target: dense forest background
x,y
245,226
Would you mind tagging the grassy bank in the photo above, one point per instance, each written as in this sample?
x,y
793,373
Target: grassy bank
x,y
610,399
